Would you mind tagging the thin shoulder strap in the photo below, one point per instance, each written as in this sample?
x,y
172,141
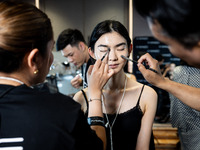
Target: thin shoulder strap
x,y
140,95
86,100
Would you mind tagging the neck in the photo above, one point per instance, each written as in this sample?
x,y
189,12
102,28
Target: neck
x,y
116,83
10,80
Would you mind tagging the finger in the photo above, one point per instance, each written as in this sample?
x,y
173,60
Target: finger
x,y
148,60
110,73
102,67
106,68
90,69
142,69
97,64
105,60
146,57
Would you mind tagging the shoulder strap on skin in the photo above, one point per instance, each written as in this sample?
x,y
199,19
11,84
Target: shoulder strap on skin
x,y
86,100
140,95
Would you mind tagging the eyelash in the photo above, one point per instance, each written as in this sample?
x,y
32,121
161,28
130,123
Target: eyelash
x,y
121,49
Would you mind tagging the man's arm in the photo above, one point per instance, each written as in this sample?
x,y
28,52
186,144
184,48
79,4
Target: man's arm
x,y
187,94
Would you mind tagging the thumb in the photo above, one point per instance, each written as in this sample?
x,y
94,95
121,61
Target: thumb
x,y
77,76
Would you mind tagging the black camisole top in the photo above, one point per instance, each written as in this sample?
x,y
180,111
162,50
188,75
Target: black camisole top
x,y
126,128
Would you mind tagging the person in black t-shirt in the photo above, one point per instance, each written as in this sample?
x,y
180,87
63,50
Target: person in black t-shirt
x,y
34,118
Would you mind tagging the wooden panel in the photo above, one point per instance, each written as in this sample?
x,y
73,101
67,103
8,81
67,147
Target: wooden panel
x,y
165,137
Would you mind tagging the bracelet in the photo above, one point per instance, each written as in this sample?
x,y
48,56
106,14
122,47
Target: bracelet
x,y
96,121
91,99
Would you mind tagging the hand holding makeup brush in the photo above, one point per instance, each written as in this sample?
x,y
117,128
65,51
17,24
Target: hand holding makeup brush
x,y
149,74
144,63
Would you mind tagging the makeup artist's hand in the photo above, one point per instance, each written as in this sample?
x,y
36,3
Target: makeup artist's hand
x,y
97,76
152,77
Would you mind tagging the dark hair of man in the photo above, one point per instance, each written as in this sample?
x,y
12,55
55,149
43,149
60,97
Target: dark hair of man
x,y
23,27
178,18
69,36
108,26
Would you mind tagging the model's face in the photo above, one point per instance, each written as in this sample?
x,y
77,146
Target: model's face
x,y
192,56
116,45
74,55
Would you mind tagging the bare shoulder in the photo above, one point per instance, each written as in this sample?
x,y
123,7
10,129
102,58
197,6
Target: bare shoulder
x,y
149,90
149,96
79,97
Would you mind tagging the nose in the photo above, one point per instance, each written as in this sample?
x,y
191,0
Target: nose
x,y
112,55
70,60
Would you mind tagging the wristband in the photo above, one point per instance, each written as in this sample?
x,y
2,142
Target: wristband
x,y
96,121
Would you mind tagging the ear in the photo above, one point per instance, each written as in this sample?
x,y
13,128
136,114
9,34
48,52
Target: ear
x,y
81,46
91,53
130,49
33,59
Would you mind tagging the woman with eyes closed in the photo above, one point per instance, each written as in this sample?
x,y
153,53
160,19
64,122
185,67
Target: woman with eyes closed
x,y
129,107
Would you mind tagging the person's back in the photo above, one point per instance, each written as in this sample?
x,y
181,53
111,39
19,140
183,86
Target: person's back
x,y
31,116
39,120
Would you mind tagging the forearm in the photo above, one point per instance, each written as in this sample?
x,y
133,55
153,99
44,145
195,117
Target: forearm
x,y
101,133
95,109
187,94
95,106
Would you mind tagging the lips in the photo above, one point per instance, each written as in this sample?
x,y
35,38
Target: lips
x,y
113,66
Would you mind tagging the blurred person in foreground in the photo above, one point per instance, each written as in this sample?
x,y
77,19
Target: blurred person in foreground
x,y
33,119
174,22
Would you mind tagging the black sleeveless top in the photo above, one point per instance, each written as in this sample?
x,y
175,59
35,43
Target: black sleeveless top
x,y
126,128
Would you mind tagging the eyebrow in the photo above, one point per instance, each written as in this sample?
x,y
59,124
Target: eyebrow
x,y
101,45
120,44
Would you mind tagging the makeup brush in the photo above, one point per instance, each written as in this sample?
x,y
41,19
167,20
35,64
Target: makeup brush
x,y
104,55
94,60
128,59
124,57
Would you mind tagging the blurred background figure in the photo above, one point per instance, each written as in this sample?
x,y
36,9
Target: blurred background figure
x,y
72,45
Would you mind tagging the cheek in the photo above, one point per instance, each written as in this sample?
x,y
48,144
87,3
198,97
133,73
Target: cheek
x,y
175,52
98,55
51,59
